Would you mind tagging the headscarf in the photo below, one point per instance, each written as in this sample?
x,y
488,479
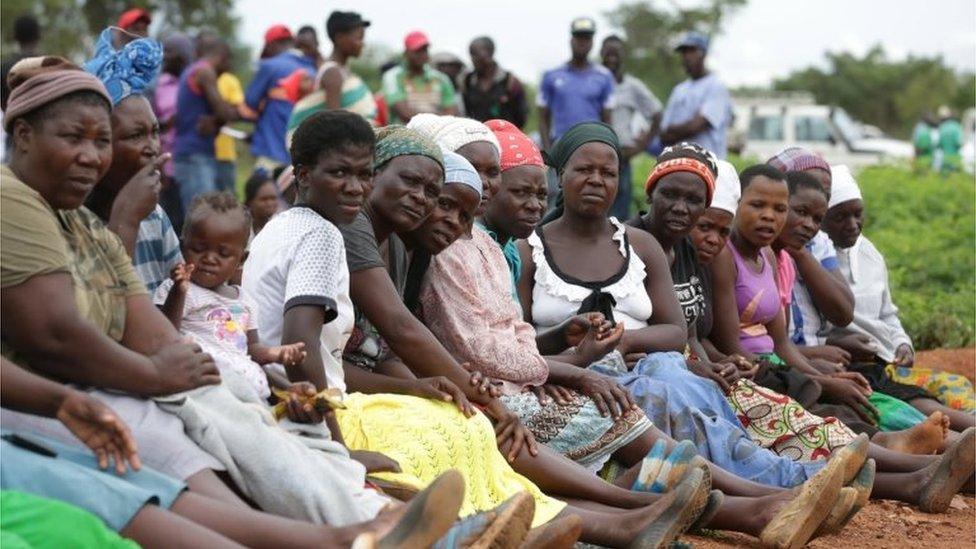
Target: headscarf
x,y
516,147
797,159
728,190
37,81
576,137
457,169
562,151
452,132
396,140
126,71
685,157
844,187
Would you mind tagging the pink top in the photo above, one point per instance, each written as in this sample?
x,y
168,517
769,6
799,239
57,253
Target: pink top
x,y
164,104
757,298
466,301
785,277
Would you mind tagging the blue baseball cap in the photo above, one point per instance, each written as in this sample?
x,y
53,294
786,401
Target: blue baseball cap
x,y
693,39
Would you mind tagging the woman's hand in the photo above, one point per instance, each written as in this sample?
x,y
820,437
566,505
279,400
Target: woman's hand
x,y
482,383
441,388
724,374
747,370
299,406
100,429
610,398
375,462
183,366
847,391
548,393
904,356
509,430
598,342
138,198
579,326
826,367
858,347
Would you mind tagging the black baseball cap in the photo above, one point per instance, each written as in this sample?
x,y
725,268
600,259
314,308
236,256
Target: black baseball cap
x,y
342,21
583,25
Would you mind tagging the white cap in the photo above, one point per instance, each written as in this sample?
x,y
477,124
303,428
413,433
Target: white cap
x,y
728,190
843,187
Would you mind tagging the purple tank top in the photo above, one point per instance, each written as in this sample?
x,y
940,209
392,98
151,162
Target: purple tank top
x,y
757,299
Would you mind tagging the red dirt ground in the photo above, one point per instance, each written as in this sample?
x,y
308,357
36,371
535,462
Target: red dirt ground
x,y
889,524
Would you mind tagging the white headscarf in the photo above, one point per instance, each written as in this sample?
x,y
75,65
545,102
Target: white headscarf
x,y
453,132
844,188
727,188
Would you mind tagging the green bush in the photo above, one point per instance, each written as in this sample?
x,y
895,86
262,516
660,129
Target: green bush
x,y
925,225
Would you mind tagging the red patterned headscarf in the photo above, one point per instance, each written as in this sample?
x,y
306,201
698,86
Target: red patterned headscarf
x,y
516,147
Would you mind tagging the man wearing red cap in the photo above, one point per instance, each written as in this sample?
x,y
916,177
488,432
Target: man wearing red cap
x,y
135,23
414,87
269,94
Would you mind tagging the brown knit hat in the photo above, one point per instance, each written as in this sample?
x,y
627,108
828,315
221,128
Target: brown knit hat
x,y
37,81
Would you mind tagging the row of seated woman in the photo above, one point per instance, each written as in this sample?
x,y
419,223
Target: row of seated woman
x,y
414,356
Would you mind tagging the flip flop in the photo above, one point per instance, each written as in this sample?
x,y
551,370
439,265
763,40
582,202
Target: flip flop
x,y
429,515
504,527
953,469
853,456
687,502
650,467
838,513
796,522
659,474
559,533
863,484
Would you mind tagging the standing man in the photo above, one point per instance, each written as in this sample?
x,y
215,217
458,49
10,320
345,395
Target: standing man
x,y
489,91
699,109
578,91
135,23
950,141
413,87
200,112
267,95
307,40
27,34
636,116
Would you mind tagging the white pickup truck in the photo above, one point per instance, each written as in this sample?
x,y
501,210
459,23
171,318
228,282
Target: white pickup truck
x,y
763,126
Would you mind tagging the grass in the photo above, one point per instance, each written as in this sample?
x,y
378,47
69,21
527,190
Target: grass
x,y
925,225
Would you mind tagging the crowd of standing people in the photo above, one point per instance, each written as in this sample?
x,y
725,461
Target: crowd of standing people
x,y
419,327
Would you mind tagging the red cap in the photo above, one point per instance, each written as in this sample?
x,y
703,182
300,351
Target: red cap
x,y
129,18
415,40
277,32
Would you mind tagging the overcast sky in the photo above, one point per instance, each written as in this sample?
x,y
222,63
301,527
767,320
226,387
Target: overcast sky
x,y
764,40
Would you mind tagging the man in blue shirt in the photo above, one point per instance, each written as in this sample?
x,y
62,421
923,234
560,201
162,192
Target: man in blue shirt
x,y
699,108
578,91
266,95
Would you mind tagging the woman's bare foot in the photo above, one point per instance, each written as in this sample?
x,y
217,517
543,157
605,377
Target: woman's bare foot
x,y
925,438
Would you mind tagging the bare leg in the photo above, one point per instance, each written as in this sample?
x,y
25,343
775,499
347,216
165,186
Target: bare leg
x,y
633,453
890,461
559,476
748,515
156,527
207,483
958,420
927,437
614,527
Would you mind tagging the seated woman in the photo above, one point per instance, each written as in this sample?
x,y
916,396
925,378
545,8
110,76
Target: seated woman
x,y
808,204
679,190
298,276
468,138
97,328
875,314
744,274
151,508
261,199
127,197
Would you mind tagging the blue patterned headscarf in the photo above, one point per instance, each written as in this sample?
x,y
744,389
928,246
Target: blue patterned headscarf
x,y
127,71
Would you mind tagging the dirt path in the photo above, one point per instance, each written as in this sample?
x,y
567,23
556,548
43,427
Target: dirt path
x,y
957,361
881,525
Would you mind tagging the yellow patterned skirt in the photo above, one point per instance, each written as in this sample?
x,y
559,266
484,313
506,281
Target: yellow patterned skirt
x,y
426,438
952,390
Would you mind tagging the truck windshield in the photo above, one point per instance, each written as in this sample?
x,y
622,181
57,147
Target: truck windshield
x,y
846,125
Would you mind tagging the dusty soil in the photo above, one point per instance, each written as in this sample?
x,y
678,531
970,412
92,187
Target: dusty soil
x,y
881,525
889,524
957,361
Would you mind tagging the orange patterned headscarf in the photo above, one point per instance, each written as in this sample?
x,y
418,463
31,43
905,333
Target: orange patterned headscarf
x,y
691,165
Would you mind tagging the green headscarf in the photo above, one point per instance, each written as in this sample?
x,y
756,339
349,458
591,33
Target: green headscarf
x,y
574,138
394,141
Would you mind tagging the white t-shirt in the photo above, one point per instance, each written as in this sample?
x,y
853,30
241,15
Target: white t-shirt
x,y
299,259
220,325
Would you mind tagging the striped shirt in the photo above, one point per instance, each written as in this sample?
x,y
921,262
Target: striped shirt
x,y
356,98
157,249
